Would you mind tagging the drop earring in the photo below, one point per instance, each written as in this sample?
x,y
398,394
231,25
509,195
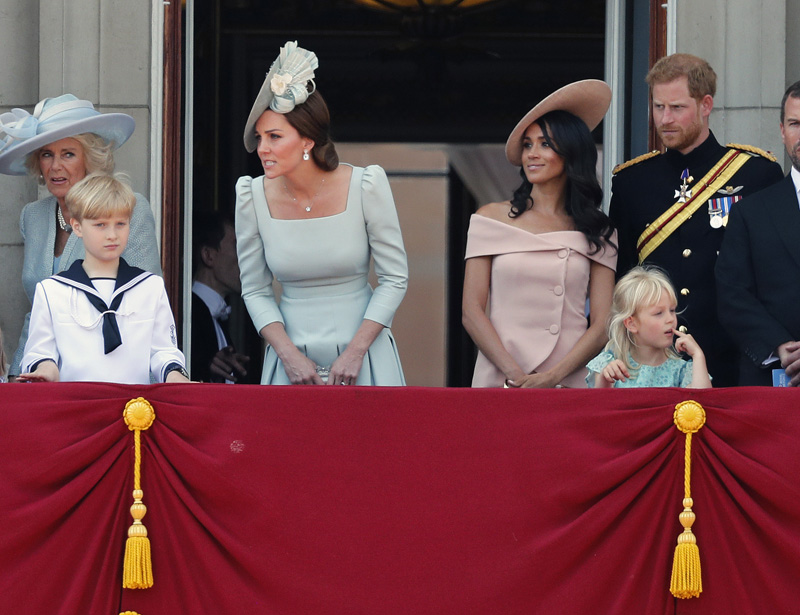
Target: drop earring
x,y
305,154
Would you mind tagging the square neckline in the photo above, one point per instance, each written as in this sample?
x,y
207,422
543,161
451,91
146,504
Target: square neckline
x,y
344,211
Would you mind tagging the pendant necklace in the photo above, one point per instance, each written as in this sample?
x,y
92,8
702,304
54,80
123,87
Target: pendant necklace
x,y
62,224
311,200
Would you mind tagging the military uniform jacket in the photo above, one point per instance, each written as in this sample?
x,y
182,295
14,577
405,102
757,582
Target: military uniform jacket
x,y
641,193
67,328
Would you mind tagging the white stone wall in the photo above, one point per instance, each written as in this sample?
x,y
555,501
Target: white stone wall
x,y
99,50
748,45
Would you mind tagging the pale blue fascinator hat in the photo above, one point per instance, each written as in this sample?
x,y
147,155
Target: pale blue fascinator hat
x,y
285,87
53,119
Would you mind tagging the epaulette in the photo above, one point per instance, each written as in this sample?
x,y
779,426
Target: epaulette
x,y
754,150
633,161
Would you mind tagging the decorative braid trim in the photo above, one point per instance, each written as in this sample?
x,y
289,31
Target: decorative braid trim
x,y
633,161
753,150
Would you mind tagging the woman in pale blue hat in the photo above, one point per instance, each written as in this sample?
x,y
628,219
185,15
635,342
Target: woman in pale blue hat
x,y
61,142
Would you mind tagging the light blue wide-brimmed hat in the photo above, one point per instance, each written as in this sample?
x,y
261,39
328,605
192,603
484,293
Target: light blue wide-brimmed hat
x,y
53,119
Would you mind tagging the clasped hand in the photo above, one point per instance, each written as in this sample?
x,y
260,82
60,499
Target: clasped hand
x,y
228,364
344,370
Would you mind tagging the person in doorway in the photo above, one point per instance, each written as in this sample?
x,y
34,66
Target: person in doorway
x,y
216,277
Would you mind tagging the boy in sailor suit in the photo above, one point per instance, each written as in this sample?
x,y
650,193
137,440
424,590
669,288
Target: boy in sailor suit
x,y
101,319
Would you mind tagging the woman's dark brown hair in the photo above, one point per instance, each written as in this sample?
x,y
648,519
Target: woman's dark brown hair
x,y
313,120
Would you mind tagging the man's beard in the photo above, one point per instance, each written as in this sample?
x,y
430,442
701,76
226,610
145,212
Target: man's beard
x,y
794,156
682,139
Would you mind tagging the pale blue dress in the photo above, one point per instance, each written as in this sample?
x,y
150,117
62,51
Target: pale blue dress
x,y
322,265
671,373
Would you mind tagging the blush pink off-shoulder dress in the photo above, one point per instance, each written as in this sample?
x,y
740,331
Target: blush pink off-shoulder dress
x,y
537,297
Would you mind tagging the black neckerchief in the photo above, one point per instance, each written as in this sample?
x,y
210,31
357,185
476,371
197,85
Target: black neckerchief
x,y
127,277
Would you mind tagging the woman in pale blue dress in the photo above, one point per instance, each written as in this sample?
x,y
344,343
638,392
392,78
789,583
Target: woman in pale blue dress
x,y
313,225
641,329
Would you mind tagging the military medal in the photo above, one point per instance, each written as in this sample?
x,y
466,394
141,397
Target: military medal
x,y
715,213
720,208
684,192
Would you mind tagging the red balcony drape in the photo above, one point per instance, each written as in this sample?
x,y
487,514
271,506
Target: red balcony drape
x,y
328,501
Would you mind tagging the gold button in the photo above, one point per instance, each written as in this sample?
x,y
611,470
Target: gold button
x,y
687,253
684,291
683,329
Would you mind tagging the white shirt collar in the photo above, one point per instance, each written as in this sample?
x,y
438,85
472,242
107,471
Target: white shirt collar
x,y
215,302
796,179
217,306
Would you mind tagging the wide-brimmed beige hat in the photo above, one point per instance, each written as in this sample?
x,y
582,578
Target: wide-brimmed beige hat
x,y
54,119
286,85
588,99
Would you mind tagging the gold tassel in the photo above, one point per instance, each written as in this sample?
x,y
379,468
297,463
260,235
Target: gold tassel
x,y
129,613
137,571
686,581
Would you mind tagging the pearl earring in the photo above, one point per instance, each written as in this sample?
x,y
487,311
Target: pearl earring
x,y
305,154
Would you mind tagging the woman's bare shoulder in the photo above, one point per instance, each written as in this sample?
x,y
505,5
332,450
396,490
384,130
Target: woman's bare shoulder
x,y
495,211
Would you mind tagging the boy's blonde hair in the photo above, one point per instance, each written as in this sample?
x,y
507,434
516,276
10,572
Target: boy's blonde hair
x,y
99,195
639,288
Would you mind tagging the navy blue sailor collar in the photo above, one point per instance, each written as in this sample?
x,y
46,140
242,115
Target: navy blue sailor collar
x,y
127,278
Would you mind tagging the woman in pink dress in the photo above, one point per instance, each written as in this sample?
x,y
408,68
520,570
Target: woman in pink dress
x,y
532,262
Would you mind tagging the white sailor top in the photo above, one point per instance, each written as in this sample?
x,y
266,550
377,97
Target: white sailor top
x,y
121,338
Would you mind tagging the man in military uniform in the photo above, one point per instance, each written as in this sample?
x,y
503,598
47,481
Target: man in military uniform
x,y
670,208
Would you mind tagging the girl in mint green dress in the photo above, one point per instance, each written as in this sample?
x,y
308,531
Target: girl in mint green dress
x,y
640,350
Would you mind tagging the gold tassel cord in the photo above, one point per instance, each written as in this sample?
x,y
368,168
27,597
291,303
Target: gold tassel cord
x,y
137,571
686,580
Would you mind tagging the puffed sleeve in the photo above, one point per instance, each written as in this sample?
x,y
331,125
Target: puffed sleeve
x,y
596,365
255,275
142,250
386,246
164,342
41,342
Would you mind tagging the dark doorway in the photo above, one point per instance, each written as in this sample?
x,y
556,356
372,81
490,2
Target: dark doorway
x,y
459,76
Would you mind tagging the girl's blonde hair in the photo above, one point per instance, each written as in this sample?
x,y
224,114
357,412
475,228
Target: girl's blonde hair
x,y
99,195
639,288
